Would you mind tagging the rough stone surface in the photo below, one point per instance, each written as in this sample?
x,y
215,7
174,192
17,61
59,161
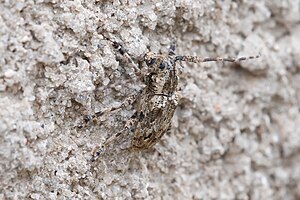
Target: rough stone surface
x,y
235,134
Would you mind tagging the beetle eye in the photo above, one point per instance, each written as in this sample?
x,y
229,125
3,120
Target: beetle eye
x,y
162,66
151,61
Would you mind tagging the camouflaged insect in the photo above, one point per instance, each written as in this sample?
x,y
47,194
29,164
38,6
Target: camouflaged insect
x,y
155,104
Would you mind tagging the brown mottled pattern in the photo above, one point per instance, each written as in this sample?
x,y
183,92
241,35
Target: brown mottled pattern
x,y
157,120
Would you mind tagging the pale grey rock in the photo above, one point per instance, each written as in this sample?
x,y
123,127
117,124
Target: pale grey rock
x,y
235,134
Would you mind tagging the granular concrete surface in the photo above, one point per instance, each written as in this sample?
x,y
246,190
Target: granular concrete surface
x,y
235,133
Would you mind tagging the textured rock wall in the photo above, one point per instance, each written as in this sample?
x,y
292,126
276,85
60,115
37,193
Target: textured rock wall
x,y
235,134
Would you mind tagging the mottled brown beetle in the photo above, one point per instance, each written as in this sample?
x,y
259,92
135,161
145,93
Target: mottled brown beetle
x,y
155,104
